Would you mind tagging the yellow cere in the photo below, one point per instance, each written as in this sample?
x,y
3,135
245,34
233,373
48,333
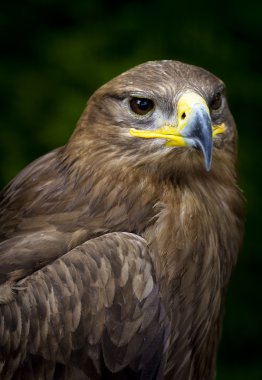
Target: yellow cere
x,y
185,105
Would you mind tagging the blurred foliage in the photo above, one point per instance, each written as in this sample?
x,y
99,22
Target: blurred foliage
x,y
55,53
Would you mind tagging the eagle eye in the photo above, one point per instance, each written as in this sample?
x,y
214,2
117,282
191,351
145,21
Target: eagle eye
x,y
141,106
216,101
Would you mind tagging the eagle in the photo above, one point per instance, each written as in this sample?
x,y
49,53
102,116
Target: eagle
x,y
116,249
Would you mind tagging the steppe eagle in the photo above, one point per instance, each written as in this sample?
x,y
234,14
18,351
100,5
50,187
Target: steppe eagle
x,y
117,248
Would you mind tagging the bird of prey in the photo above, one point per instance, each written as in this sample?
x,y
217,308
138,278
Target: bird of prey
x,y
117,248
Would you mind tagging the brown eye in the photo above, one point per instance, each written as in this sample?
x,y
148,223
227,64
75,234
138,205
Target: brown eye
x,y
141,106
216,101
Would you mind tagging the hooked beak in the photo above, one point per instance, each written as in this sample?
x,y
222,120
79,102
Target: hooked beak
x,y
198,132
193,128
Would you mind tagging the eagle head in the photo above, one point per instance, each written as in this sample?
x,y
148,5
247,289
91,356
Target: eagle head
x,y
163,113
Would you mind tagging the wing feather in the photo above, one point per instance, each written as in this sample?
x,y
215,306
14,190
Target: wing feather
x,y
97,308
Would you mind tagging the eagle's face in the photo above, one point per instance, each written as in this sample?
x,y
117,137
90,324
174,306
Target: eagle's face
x,y
166,108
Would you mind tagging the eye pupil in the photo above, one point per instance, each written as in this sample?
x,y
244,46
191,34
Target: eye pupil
x,y
216,101
141,106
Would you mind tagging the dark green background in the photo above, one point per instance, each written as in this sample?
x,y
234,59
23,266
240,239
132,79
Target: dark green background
x,y
55,53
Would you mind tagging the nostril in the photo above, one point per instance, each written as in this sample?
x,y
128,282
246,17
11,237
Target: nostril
x,y
183,116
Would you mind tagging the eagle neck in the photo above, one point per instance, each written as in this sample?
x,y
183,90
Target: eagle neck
x,y
195,239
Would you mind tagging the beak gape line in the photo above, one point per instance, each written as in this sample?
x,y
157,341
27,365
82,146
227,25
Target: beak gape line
x,y
193,127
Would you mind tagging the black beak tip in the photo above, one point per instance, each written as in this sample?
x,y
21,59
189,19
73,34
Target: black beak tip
x,y
208,162
203,136
207,153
